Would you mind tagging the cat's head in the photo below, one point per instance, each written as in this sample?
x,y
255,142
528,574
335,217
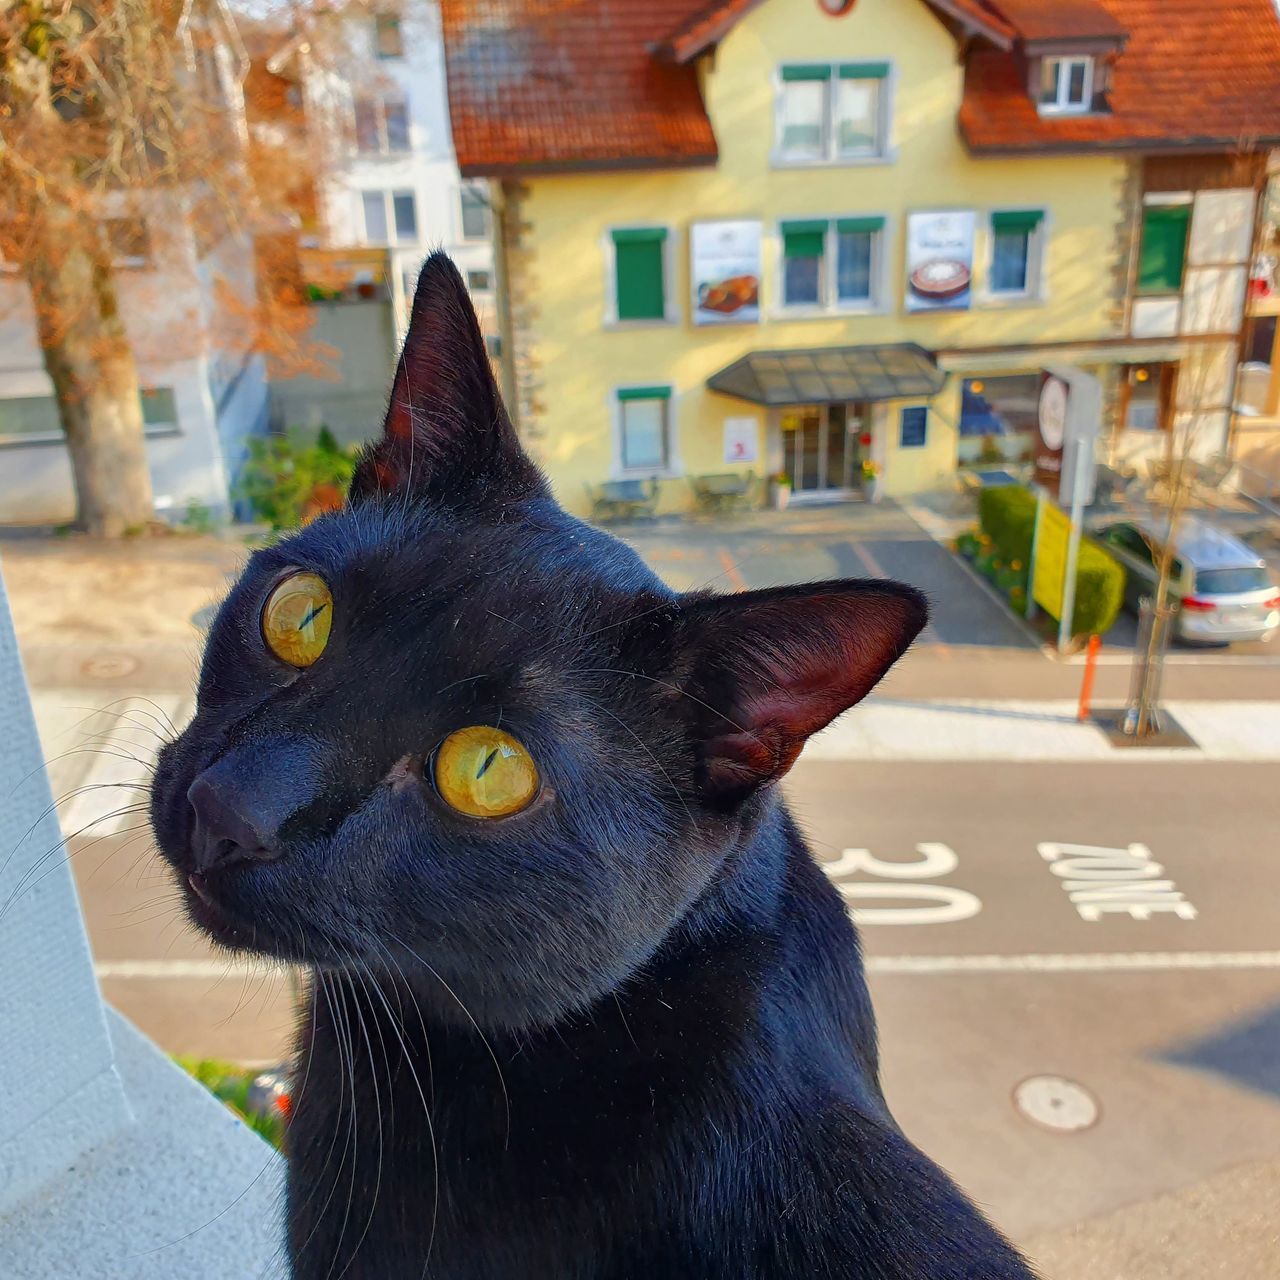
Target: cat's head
x,y
453,729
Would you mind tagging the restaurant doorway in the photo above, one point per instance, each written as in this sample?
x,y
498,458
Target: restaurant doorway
x,y
822,450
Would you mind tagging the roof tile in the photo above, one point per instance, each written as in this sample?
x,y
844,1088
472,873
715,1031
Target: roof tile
x,y
1195,73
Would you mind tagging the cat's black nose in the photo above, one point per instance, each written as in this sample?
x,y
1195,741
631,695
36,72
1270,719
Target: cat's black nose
x,y
229,826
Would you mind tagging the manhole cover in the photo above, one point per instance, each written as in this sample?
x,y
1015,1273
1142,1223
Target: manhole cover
x,y
1056,1103
109,666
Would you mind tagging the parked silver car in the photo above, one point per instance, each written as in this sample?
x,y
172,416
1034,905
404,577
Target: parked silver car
x,y
1222,586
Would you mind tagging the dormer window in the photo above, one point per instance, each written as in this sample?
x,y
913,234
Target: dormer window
x,y
1066,86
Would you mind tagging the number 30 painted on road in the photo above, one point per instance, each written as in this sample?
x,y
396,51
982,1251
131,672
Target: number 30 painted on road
x,y
947,904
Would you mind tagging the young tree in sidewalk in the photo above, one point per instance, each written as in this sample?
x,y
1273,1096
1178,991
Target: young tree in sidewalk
x,y
114,112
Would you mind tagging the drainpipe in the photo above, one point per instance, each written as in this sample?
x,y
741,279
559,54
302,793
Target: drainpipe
x,y
503,212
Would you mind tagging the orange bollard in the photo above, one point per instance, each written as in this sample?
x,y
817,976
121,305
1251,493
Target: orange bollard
x,y
1090,670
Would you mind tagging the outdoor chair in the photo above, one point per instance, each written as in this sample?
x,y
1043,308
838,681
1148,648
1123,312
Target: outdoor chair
x,y
623,499
723,491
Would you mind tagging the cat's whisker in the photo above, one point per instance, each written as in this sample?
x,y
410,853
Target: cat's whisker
x,y
497,1066
320,982
358,972
25,885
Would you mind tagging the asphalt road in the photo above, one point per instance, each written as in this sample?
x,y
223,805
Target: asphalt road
x,y
986,974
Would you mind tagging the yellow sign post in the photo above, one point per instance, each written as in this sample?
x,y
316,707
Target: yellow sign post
x,y
1049,568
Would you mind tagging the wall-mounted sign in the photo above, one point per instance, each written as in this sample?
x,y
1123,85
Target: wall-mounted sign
x,y
939,261
724,261
740,439
1051,431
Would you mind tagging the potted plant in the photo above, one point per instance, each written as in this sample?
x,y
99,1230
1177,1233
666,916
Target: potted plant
x,y
871,480
781,484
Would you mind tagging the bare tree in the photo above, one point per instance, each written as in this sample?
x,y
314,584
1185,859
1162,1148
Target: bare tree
x,y
111,110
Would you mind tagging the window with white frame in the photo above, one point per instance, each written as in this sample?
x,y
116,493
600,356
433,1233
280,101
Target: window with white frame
x,y
382,125
644,429
1017,249
831,263
390,217
479,281
1066,86
475,214
388,41
830,112
35,420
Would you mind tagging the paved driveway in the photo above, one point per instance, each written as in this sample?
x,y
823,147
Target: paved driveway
x,y
851,540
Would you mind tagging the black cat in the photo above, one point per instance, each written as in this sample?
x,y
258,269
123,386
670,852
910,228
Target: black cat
x,y
583,1005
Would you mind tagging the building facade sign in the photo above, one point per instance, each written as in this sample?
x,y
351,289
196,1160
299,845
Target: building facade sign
x,y
939,261
725,272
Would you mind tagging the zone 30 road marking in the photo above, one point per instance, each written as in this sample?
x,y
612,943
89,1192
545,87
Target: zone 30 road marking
x,y
1098,881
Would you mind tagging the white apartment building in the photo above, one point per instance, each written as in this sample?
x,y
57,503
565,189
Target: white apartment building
x,y
203,391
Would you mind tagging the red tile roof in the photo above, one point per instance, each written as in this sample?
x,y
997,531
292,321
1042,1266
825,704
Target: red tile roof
x,y
702,28
1200,74
554,85
1061,19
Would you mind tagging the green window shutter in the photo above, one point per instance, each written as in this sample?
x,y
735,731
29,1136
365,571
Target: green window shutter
x,y
859,226
811,71
644,393
1164,247
639,235
1021,221
804,239
865,71
638,262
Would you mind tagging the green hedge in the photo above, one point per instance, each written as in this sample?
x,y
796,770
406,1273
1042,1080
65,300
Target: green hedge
x,y
1007,515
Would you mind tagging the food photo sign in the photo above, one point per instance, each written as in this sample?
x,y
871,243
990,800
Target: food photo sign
x,y
940,261
725,272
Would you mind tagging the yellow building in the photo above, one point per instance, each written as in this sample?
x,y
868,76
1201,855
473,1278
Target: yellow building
x,y
801,236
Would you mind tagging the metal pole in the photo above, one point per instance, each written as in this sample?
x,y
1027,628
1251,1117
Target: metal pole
x,y
1031,609
1090,671
1078,480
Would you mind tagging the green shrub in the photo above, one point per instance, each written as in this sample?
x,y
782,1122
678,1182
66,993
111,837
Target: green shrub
x,y
1007,515
287,479
230,1085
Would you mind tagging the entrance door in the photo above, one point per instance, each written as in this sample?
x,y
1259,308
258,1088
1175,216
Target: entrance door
x,y
820,447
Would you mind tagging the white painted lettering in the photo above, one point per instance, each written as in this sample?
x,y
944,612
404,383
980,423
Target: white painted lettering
x,y
948,904
1100,881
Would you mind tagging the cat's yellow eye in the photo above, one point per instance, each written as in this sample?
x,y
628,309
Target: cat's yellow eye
x,y
296,619
485,773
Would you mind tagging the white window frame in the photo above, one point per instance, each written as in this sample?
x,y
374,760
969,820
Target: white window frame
x,y
388,194
1062,104
1037,244
670,308
832,158
674,468
150,430
829,302
463,238
379,102
378,20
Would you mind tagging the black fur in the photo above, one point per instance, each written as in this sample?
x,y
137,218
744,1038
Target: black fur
x,y
624,1034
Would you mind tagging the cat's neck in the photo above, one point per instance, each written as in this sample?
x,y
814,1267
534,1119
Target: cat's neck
x,y
764,962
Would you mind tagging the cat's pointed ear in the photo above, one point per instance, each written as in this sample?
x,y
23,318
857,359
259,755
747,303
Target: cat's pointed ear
x,y
764,670
447,435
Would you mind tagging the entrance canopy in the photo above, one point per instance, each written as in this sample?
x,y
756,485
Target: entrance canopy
x,y
828,375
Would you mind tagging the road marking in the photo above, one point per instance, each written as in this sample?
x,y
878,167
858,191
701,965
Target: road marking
x,y
1082,962
183,970
731,571
946,903
1101,880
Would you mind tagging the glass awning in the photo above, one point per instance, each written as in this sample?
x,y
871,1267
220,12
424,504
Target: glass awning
x,y
830,374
